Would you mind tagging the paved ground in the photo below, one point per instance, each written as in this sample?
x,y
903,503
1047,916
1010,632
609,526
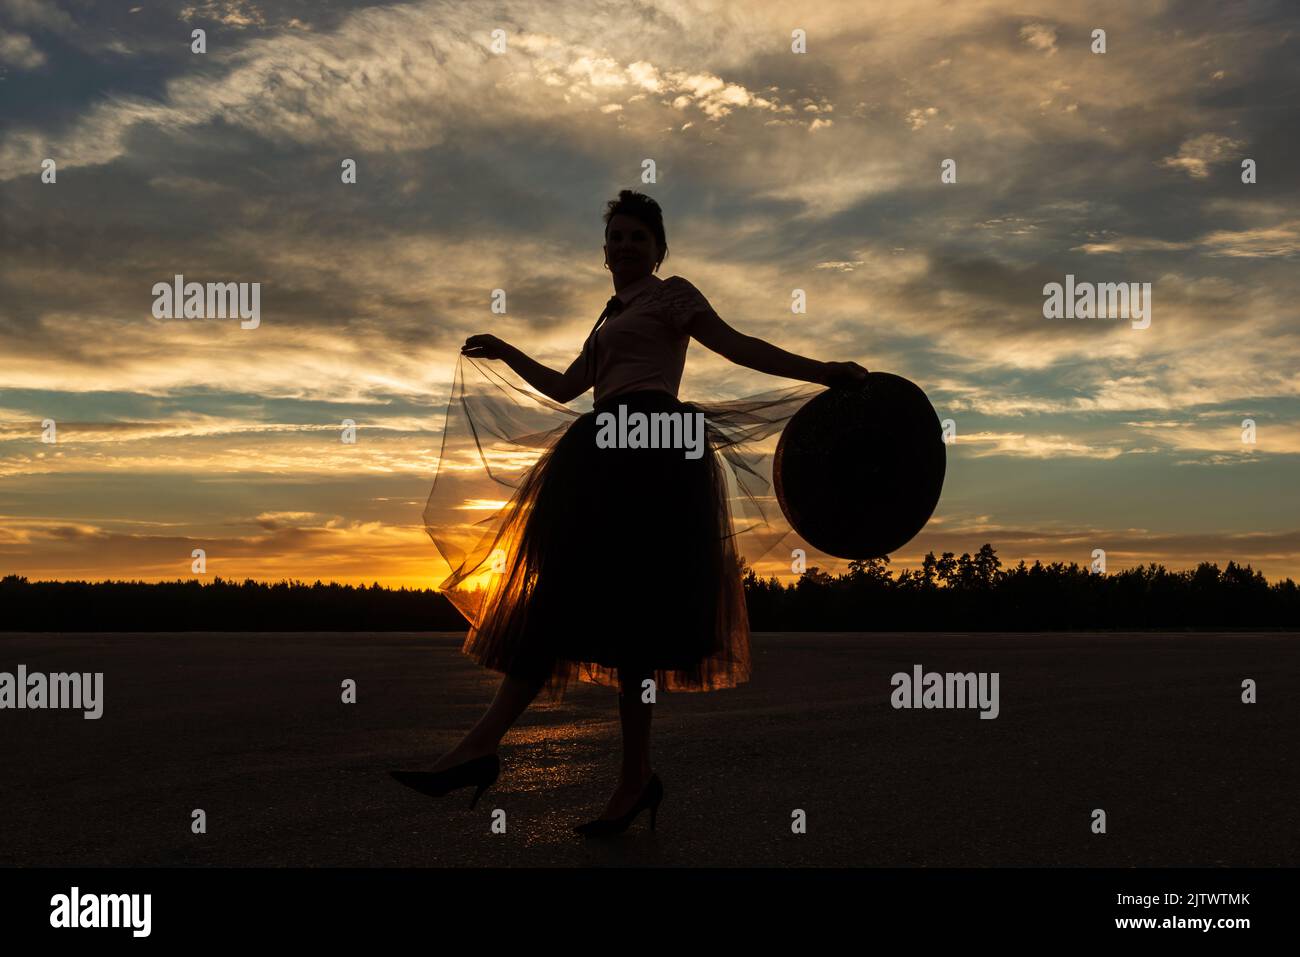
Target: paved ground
x,y
250,728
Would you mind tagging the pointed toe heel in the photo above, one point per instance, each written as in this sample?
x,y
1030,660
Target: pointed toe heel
x,y
479,773
651,796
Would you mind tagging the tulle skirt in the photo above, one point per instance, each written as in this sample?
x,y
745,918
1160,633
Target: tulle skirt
x,y
604,564
625,565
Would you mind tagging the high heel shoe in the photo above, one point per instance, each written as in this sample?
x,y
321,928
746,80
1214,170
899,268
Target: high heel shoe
x,y
651,795
480,773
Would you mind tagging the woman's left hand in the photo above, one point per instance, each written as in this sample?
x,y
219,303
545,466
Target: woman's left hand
x,y
841,374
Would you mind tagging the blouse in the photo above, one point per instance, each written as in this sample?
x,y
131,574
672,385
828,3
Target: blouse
x,y
644,346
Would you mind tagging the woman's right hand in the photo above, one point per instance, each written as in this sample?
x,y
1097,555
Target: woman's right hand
x,y
842,374
485,346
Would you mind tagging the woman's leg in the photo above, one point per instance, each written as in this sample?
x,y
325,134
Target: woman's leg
x,y
512,698
635,717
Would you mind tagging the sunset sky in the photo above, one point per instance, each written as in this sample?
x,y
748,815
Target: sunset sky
x,y
776,170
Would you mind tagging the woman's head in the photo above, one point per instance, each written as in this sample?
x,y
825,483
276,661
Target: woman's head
x,y
635,243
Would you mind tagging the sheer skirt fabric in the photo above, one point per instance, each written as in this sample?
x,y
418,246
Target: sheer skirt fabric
x,y
603,560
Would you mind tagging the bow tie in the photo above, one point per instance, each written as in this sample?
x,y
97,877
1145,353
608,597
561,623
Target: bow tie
x,y
612,309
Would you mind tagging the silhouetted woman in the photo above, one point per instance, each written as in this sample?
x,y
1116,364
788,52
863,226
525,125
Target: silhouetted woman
x,y
623,569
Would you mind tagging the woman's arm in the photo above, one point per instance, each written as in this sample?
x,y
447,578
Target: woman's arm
x,y
754,353
560,386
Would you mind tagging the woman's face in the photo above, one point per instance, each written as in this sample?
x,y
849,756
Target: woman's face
x,y
630,248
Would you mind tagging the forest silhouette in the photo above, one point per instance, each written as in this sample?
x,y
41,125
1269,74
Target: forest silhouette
x,y
948,593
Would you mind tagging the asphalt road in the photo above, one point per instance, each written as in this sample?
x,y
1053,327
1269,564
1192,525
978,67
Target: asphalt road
x,y
250,727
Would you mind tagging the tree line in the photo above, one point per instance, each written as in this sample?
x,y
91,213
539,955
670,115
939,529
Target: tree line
x,y
948,593
975,593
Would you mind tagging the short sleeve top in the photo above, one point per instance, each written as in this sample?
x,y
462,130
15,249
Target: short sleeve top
x,y
644,346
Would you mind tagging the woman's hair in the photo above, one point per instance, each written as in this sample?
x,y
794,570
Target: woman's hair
x,y
642,207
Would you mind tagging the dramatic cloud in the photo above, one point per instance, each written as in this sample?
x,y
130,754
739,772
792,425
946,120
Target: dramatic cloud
x,y
1196,155
483,162
17,50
